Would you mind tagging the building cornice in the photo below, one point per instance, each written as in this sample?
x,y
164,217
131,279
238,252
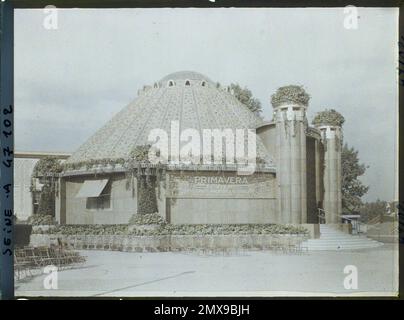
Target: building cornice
x,y
40,155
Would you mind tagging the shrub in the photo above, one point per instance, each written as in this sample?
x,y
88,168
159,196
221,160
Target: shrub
x,y
289,94
39,219
151,218
170,229
329,118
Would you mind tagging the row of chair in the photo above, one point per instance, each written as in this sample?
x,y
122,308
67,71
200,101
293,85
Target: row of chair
x,y
29,259
203,244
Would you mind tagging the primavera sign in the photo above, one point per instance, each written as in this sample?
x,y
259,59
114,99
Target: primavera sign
x,y
220,185
218,180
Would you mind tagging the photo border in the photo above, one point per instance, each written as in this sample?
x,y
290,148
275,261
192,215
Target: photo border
x,y
7,99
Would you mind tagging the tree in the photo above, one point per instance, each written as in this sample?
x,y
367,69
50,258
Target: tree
x,y
352,188
244,95
371,210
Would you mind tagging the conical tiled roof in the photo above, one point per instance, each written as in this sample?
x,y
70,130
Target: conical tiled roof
x,y
188,97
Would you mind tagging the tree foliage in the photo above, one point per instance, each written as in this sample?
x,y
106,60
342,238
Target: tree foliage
x,y
371,210
244,95
352,188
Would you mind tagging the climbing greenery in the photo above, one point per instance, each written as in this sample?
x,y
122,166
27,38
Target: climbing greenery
x,y
46,171
40,219
291,93
137,156
113,162
148,178
329,118
47,166
47,201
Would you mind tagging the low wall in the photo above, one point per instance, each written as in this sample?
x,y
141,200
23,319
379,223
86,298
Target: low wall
x,y
386,232
384,238
223,211
133,243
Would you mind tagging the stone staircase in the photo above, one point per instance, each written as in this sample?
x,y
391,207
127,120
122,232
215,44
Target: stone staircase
x,y
332,239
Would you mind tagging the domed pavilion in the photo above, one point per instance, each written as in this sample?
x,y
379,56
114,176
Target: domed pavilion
x,y
158,154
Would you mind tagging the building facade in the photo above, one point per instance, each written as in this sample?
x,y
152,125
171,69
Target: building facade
x,y
296,167
25,201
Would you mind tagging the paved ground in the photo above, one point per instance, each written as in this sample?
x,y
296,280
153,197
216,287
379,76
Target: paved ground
x,y
108,273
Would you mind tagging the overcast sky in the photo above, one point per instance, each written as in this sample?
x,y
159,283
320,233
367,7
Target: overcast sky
x,y
70,81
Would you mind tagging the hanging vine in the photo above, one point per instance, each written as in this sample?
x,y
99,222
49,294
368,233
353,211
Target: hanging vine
x,y
148,178
46,172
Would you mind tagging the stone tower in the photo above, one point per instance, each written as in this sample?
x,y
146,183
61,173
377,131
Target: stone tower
x,y
291,125
329,123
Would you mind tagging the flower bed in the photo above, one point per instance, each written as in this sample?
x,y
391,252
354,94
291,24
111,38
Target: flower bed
x,y
39,220
146,219
170,229
149,236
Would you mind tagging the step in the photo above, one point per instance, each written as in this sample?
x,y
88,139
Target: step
x,y
323,243
332,231
332,239
342,236
340,242
338,246
328,248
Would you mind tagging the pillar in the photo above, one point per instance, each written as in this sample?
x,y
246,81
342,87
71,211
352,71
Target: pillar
x,y
331,138
291,127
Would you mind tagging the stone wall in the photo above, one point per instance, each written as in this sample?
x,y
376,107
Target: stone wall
x,y
209,197
133,243
224,211
23,206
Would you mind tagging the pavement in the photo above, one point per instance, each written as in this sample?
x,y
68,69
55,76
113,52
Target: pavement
x,y
246,273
